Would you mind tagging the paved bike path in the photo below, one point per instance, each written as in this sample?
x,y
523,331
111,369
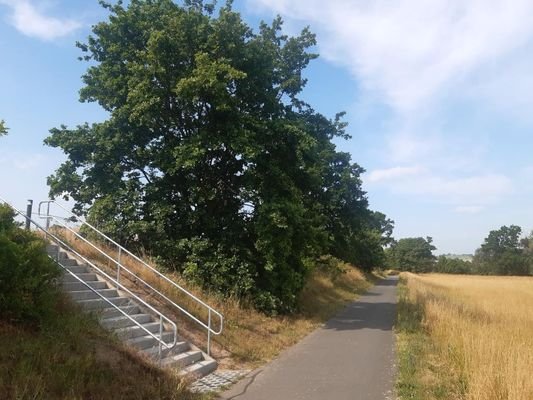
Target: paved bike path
x,y
351,357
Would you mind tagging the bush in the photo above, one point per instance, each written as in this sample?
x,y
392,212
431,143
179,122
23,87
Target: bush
x,y
27,274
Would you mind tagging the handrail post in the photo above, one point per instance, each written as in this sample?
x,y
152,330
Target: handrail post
x,y
118,265
160,337
48,217
28,214
209,332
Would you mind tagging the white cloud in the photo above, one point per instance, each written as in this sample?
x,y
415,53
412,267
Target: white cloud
x,y
30,21
379,175
464,192
411,52
404,146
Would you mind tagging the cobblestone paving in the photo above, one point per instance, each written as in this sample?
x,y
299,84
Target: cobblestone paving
x,y
217,380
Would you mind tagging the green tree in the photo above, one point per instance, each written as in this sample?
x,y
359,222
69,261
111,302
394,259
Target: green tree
x,y
413,254
208,158
503,253
447,265
3,128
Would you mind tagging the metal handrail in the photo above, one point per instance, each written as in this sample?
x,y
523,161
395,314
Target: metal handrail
x,y
62,244
121,267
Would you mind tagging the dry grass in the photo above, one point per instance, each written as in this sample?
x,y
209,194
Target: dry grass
x,y
480,332
250,338
71,357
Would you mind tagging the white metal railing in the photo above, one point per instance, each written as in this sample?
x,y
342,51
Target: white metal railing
x,y
62,245
121,268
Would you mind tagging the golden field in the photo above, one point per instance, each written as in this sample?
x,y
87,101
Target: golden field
x,y
477,337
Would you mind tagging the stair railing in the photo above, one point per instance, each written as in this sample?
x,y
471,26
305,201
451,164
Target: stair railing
x,y
62,245
121,268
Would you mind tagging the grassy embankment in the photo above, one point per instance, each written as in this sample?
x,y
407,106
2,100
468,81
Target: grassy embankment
x,y
465,337
250,338
70,357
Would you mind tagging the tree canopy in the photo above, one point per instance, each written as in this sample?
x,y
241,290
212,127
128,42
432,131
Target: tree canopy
x,y
3,128
504,253
413,254
209,159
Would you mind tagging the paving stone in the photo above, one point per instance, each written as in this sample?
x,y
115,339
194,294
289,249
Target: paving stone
x,y
217,380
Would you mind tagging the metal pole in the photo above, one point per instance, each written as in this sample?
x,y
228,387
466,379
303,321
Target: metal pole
x,y
28,214
209,333
118,265
160,337
48,216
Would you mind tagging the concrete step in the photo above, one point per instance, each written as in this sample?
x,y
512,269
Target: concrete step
x,y
68,262
147,341
136,331
76,286
124,322
89,294
191,361
180,347
77,269
183,359
86,276
113,312
100,304
52,249
199,369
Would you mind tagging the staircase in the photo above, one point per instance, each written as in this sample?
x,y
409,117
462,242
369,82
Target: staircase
x,y
133,320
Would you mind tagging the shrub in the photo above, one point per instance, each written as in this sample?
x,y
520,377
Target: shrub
x,y
27,274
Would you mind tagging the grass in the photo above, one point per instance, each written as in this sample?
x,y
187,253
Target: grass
x,y
465,337
71,357
250,338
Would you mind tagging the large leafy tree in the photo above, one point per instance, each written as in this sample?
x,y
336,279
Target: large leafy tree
x,y
413,254
208,158
503,253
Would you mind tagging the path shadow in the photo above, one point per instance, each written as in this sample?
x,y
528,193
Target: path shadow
x,y
367,314
392,281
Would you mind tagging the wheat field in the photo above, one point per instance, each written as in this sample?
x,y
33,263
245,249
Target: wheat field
x,y
482,331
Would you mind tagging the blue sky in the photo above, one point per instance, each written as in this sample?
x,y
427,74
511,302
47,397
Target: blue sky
x,y
439,97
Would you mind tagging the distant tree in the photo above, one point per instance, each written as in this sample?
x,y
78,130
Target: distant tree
x,y
503,253
447,265
527,244
3,128
412,254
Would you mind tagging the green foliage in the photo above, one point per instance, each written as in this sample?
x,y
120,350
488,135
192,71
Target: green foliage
x,y
412,254
504,253
209,159
3,128
447,265
27,275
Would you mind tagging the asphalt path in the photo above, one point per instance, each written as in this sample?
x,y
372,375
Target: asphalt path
x,y
351,357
